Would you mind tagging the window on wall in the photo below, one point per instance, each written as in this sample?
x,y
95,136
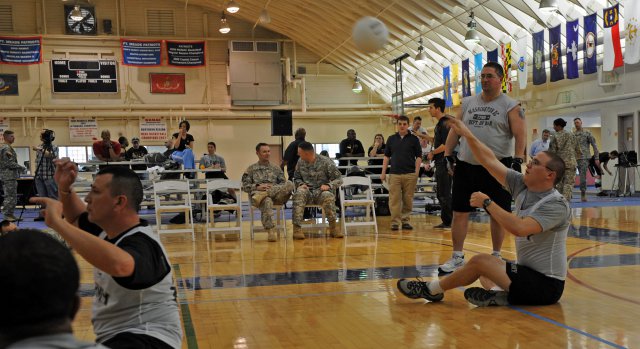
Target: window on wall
x,y
23,157
332,149
77,154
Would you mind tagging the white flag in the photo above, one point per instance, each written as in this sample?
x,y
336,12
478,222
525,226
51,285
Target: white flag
x,y
632,44
521,63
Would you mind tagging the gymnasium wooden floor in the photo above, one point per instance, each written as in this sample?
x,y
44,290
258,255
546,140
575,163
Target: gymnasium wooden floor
x,y
340,293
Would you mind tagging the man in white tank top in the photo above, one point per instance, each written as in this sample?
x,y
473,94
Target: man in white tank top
x,y
497,121
135,300
540,226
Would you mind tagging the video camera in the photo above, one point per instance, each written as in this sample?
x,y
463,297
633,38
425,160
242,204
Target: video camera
x,y
48,136
627,159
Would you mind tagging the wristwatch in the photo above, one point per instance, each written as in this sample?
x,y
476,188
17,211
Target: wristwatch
x,y
486,203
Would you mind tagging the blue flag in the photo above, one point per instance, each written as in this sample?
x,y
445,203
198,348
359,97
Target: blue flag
x,y
572,49
539,73
478,66
446,77
492,56
590,42
555,55
466,84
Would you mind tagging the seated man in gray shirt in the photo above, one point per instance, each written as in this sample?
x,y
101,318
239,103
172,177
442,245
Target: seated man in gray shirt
x,y
540,224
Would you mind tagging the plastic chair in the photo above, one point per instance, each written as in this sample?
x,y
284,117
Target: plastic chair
x,y
181,204
346,201
223,184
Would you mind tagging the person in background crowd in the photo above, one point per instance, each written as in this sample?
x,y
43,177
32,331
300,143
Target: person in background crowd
x,y
290,158
137,152
417,130
443,179
10,171
596,168
376,155
46,152
107,150
584,139
566,146
350,147
183,149
541,144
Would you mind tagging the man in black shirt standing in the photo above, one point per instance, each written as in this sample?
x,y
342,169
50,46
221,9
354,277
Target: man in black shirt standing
x,y
404,153
443,179
350,147
290,158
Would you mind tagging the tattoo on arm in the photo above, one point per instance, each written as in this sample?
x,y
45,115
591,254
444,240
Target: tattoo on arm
x,y
521,113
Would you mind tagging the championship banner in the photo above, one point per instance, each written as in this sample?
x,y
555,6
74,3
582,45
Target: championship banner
x,y
555,55
523,69
466,84
612,50
492,56
447,87
20,50
186,54
455,78
478,69
572,49
8,84
153,129
632,44
83,130
590,43
539,73
506,66
140,53
4,125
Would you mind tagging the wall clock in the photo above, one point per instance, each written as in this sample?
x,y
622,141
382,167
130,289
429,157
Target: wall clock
x,y
80,20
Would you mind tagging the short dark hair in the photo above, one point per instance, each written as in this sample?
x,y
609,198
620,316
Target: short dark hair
x,y
439,103
40,283
260,145
300,133
123,141
403,118
7,132
497,67
546,131
574,119
417,118
556,165
213,144
614,153
306,146
186,123
560,122
125,182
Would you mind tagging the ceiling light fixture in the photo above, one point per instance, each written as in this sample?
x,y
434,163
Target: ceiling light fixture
x,y
76,14
264,16
421,57
472,36
233,7
357,86
224,26
548,6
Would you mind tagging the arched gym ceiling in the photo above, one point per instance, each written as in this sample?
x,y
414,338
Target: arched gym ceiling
x,y
324,27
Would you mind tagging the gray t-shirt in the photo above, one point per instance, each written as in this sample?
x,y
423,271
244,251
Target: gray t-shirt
x,y
489,122
56,341
545,252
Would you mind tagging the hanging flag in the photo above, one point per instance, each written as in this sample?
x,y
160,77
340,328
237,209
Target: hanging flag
x,y
505,49
521,45
492,56
572,49
555,55
590,43
478,68
539,73
612,50
466,84
455,82
632,44
447,87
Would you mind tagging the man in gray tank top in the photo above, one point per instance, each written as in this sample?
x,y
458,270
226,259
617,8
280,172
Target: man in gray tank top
x,y
539,225
497,121
135,302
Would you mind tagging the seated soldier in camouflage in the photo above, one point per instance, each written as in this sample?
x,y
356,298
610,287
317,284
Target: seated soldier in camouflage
x,y
316,179
266,186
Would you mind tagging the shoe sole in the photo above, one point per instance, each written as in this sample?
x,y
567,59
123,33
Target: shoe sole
x,y
436,299
473,295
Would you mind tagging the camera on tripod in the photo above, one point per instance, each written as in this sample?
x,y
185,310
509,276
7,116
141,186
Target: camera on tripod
x,y
627,159
48,136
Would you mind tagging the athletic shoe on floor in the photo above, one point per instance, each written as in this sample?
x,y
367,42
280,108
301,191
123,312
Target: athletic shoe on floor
x,y
442,226
484,298
406,226
418,289
451,265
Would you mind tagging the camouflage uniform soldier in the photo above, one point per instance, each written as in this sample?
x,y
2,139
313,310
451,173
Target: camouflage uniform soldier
x,y
9,173
584,139
266,186
316,178
565,145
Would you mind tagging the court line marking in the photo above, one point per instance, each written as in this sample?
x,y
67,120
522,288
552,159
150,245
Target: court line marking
x,y
190,332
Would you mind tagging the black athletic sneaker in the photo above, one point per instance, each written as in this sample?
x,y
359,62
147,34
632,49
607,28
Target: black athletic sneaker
x,y
484,298
418,289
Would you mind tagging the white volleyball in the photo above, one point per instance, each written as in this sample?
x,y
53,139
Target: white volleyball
x,y
370,34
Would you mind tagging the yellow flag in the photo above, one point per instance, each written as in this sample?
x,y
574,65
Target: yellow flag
x,y
455,83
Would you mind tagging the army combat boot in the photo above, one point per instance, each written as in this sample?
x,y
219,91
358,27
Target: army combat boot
x,y
297,233
334,230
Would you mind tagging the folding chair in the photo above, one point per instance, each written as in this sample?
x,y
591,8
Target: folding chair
x,y
347,200
223,184
180,204
281,221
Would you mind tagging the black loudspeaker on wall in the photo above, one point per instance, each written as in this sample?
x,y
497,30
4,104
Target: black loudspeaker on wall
x,y
281,123
106,25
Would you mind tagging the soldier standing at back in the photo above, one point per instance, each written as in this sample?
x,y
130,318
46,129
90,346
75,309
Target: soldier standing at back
x,y
9,173
564,144
316,179
266,186
584,139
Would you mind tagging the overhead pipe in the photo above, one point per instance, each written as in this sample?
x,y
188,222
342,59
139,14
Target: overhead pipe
x,y
187,114
207,107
